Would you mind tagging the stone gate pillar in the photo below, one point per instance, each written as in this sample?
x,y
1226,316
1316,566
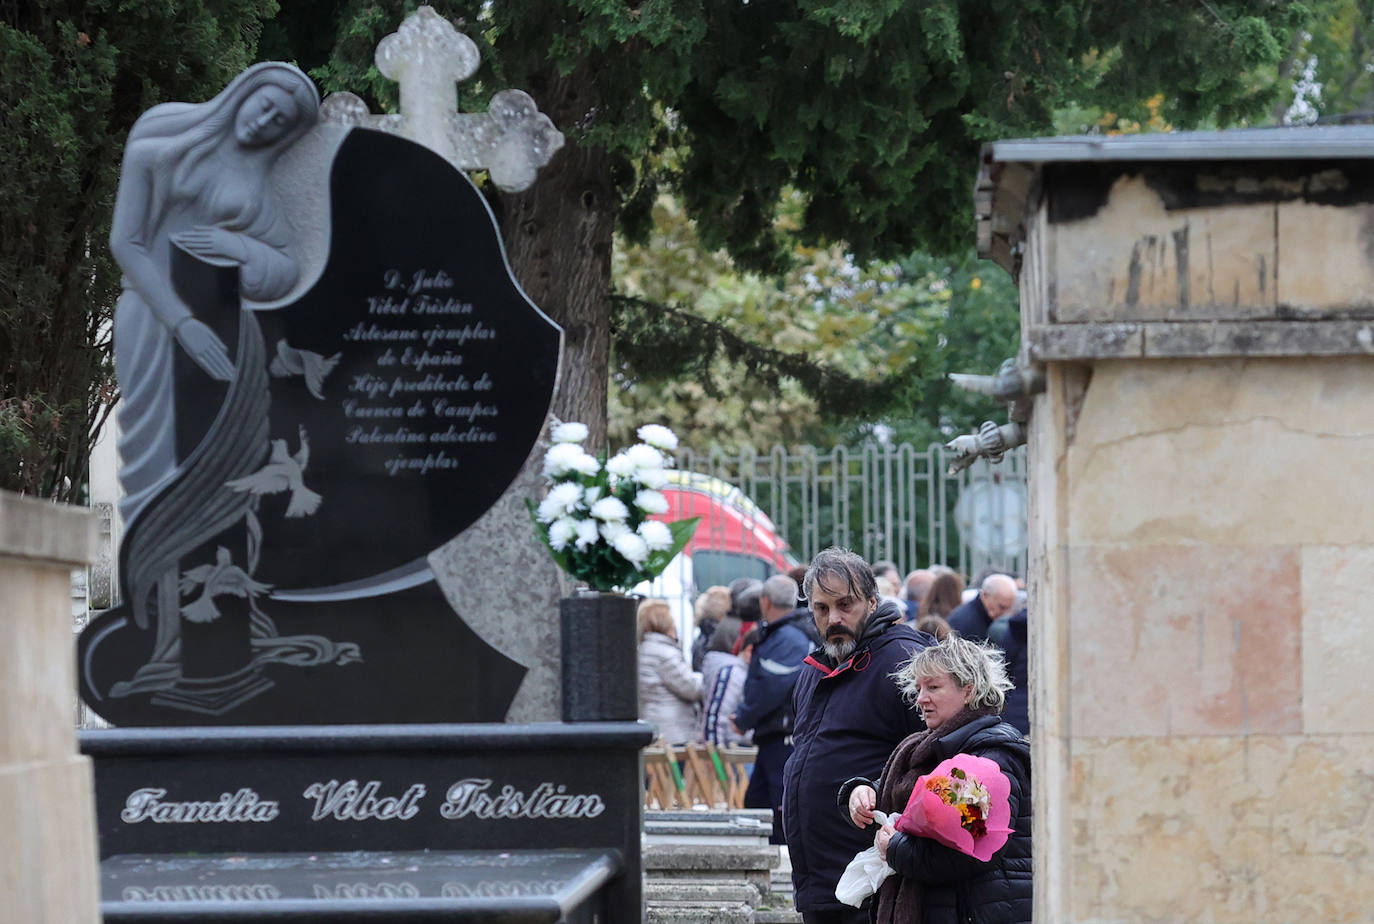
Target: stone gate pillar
x,y
1202,521
48,874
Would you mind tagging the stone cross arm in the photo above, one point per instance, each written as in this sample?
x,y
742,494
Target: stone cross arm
x,y
428,57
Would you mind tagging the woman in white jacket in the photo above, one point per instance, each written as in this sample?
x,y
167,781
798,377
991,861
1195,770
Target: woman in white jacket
x,y
668,690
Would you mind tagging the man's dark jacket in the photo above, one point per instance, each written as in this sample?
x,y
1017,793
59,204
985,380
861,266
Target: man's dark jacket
x,y
957,888
1010,635
849,717
765,705
971,619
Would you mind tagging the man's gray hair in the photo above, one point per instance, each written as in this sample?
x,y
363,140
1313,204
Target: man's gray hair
x,y
836,565
976,664
781,591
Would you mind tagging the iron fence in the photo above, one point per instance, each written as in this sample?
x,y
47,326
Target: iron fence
x,y
894,503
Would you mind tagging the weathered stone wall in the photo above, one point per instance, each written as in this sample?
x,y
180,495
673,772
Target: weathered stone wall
x,y
1202,536
47,839
1213,683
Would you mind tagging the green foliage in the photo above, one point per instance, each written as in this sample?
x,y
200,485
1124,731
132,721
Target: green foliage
x,y
775,123
1333,62
979,326
790,129
828,352
872,111
74,79
1209,63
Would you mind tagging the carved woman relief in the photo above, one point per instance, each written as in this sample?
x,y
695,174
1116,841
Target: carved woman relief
x,y
198,234
328,372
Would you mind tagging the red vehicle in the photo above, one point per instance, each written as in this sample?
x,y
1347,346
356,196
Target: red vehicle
x,y
734,538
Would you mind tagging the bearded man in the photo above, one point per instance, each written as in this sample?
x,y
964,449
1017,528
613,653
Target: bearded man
x,y
849,717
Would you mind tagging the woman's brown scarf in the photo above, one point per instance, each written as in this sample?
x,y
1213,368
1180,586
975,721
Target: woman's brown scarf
x,y
899,898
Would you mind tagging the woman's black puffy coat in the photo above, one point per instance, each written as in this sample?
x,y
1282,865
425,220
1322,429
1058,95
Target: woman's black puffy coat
x,y
959,889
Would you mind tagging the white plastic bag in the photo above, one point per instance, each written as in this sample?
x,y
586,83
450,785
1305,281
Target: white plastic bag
x,y
864,873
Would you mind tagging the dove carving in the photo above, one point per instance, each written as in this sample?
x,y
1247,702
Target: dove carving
x,y
223,577
283,472
314,367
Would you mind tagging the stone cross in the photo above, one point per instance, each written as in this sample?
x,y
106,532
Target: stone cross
x,y
428,58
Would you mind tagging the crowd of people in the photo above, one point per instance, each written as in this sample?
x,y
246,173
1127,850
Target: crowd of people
x,y
853,683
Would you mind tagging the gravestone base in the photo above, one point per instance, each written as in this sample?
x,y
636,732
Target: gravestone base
x,y
516,823
520,885
217,695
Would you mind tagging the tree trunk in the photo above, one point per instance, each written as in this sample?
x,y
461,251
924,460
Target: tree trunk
x,y
558,236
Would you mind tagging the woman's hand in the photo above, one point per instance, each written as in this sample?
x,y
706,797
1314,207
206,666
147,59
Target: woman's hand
x,y
862,801
213,243
881,838
205,347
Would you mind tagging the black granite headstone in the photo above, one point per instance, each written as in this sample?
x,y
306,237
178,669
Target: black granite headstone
x,y
367,422
304,421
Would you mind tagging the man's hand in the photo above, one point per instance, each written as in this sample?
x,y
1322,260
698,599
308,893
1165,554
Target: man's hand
x,y
881,839
738,730
862,801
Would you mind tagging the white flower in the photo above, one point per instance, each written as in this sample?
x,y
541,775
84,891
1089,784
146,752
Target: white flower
x,y
620,464
642,456
656,535
584,463
610,509
651,502
653,478
658,436
631,547
561,532
592,494
569,433
560,457
586,533
562,499
612,531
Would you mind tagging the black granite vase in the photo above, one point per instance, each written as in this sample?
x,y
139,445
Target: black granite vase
x,y
600,649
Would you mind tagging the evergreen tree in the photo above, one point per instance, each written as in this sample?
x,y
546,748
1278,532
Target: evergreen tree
x,y
823,353
1332,65
828,352
75,76
872,110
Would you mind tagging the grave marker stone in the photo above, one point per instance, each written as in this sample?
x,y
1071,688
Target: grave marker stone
x,y
511,141
329,371
368,420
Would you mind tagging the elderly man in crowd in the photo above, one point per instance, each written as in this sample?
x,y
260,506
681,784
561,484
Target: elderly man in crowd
x,y
849,717
917,583
996,598
765,707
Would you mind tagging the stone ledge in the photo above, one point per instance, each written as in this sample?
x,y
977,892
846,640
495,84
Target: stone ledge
x,y
1194,339
667,891
700,913
704,857
45,531
777,916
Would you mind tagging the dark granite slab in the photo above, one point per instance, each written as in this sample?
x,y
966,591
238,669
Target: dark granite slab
x,y
470,885
275,572
392,788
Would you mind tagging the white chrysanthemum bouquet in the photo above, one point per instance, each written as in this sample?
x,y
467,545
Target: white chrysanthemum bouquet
x,y
595,518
